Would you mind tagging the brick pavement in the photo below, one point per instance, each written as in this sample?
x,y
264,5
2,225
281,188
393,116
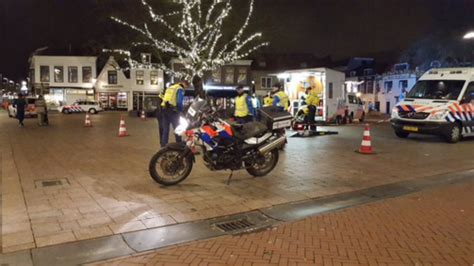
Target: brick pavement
x,y
109,191
434,227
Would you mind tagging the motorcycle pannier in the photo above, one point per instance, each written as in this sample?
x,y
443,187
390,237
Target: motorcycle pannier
x,y
275,117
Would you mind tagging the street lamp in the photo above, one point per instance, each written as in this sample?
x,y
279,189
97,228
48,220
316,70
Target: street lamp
x,y
469,35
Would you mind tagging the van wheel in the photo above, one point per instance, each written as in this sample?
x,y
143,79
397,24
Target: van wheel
x,y
93,111
401,134
454,133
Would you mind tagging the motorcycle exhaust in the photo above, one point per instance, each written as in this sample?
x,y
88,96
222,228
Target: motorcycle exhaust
x,y
272,145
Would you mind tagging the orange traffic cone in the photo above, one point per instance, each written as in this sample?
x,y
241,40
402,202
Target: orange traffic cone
x,y
366,145
143,116
88,122
122,128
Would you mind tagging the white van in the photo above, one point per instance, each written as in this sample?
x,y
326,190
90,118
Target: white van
x,y
440,103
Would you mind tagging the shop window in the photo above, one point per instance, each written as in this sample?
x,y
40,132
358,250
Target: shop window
x,y
388,85
266,82
229,75
140,77
242,77
44,73
154,77
72,74
330,90
112,76
217,76
87,74
58,74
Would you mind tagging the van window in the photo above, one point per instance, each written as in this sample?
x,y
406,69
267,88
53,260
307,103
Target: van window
x,y
469,92
437,89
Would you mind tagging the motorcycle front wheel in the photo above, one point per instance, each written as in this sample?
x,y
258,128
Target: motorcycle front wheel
x,y
264,164
169,167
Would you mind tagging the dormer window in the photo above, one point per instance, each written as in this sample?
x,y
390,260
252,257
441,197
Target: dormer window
x,y
146,58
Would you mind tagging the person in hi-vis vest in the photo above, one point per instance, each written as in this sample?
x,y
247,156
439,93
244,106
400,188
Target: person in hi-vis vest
x,y
312,101
268,100
280,99
244,111
171,107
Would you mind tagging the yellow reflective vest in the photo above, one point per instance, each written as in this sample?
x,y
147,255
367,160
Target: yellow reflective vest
x,y
312,99
241,108
170,95
283,99
267,101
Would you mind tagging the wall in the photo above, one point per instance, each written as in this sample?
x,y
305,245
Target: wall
x,y
65,62
392,97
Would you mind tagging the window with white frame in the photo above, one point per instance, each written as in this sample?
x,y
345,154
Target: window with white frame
x,y
217,75
403,84
242,77
44,73
229,75
58,74
112,76
266,83
154,77
72,74
140,77
388,85
87,74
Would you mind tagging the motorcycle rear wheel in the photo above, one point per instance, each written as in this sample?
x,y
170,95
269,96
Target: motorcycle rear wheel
x,y
271,160
172,170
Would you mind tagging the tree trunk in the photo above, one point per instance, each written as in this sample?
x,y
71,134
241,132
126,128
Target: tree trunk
x,y
198,87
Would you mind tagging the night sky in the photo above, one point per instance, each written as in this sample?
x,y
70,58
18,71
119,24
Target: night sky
x,y
336,28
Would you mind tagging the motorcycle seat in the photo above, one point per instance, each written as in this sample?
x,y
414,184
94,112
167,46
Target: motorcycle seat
x,y
249,130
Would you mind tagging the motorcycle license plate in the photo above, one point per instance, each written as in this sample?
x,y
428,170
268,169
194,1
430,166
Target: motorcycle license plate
x,y
282,124
409,128
191,111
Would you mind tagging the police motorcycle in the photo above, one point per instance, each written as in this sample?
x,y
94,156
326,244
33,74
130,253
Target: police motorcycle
x,y
252,146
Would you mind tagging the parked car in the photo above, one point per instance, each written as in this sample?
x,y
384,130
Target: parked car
x,y
30,108
81,106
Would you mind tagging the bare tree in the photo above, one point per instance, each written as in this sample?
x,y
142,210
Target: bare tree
x,y
195,34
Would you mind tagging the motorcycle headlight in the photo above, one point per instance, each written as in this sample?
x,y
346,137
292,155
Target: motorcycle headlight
x,y
182,127
439,115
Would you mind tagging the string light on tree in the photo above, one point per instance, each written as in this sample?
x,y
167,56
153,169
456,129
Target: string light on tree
x,y
197,39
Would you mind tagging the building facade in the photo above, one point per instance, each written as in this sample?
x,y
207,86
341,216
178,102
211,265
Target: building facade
x,y
63,79
393,87
137,92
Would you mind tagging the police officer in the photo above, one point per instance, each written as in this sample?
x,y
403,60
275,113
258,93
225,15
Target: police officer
x,y
159,115
244,110
171,106
268,100
312,101
280,99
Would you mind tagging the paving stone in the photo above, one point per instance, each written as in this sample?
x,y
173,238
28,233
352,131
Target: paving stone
x,y
56,238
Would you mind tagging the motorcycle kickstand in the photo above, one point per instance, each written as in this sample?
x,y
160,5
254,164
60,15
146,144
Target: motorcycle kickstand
x,y
230,177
